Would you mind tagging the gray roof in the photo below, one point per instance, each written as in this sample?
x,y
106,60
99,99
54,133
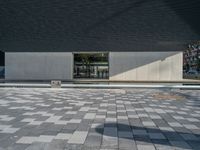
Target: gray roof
x,y
98,25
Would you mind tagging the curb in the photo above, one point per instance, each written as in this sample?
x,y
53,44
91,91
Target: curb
x,y
18,85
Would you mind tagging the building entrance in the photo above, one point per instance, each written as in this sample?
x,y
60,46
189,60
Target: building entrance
x,y
91,66
2,64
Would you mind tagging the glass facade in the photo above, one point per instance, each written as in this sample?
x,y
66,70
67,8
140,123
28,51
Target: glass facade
x,y
191,61
91,65
2,64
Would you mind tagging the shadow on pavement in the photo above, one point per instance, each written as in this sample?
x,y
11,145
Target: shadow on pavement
x,y
150,135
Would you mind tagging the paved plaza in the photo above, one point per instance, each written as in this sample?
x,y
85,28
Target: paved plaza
x,y
84,119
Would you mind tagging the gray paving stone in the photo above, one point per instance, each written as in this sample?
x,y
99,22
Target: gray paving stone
x,y
190,137
194,144
98,119
16,147
127,144
110,139
56,145
146,147
181,144
156,136
63,136
78,137
149,123
175,124
93,141
27,140
37,146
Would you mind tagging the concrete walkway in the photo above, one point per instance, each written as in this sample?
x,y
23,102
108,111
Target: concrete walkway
x,y
84,119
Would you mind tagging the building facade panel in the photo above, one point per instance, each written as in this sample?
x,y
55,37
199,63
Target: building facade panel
x,y
145,66
38,66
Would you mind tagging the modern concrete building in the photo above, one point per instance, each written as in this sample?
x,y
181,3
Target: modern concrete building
x,y
118,66
97,39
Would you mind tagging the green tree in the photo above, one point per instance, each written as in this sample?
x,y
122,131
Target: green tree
x,y
86,60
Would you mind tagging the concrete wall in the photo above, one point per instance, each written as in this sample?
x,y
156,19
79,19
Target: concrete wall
x,y
38,66
145,66
122,65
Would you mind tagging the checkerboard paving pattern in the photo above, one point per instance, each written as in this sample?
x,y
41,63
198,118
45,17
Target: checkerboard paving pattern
x,y
98,119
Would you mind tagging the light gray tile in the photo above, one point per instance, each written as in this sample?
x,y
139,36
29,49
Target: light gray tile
x,y
78,137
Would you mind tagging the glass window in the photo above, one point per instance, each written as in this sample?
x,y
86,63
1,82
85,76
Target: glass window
x,y
2,64
91,65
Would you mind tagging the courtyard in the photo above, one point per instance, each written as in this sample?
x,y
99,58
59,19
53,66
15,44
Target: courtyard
x,y
99,119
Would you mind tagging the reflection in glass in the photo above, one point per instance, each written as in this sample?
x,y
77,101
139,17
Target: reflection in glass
x,y
91,65
2,65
